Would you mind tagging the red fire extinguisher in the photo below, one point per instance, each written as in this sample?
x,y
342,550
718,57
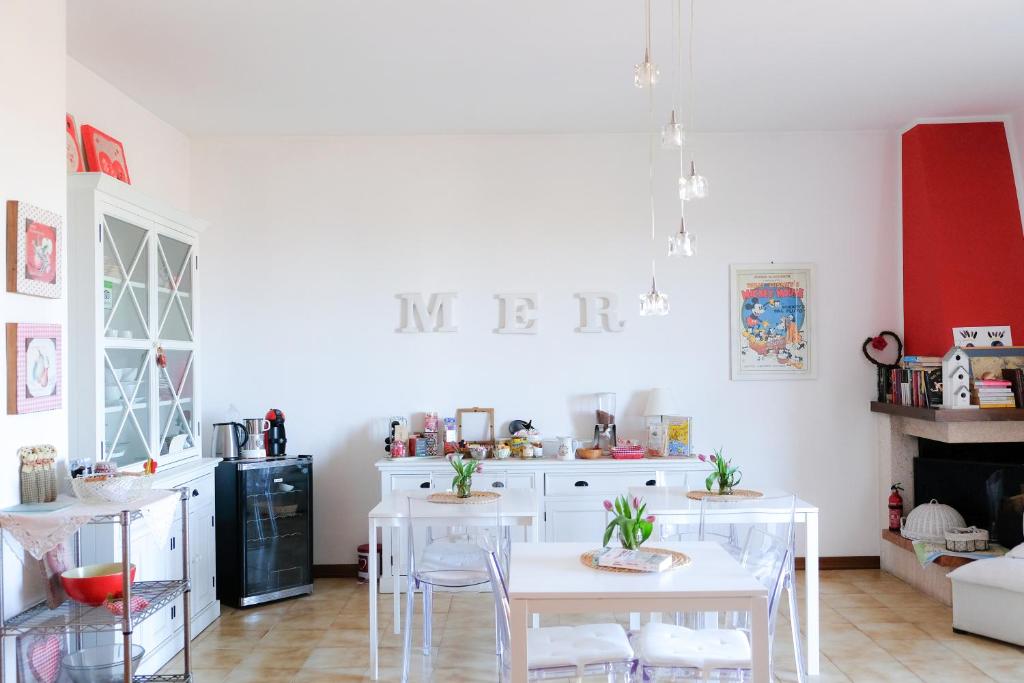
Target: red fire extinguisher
x,y
895,507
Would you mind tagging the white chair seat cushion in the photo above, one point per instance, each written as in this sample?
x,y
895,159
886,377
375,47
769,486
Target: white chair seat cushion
x,y
668,645
578,646
1001,572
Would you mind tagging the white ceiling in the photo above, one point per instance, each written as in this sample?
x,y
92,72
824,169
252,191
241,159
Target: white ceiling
x,y
310,67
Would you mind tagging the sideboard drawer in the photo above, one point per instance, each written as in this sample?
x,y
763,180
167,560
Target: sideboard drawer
x,y
595,483
410,482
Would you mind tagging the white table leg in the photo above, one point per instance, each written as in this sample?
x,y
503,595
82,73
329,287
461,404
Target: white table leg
x,y
811,578
396,584
759,636
517,636
634,621
372,568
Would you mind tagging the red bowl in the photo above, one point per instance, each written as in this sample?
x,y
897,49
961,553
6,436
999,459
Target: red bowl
x,y
94,583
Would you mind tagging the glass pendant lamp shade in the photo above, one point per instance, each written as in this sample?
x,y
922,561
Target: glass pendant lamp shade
x,y
672,135
645,74
683,243
693,186
654,302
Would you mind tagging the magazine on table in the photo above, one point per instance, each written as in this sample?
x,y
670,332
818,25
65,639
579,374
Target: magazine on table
x,y
637,560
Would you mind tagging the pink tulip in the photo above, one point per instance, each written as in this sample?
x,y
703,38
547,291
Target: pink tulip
x,y
702,457
608,505
650,518
712,458
636,503
479,469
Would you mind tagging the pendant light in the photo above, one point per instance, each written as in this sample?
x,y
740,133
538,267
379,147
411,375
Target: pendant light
x,y
653,302
646,73
684,242
672,135
694,185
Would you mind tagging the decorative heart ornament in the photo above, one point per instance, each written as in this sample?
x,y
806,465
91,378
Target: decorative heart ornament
x,y
44,659
884,349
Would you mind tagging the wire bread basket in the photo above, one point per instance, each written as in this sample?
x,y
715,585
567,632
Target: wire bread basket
x,y
966,540
122,487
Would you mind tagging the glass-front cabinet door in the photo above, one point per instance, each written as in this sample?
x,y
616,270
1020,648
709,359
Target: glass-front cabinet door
x,y
148,341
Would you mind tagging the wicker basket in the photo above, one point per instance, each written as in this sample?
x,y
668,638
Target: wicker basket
x,y
930,522
966,540
112,488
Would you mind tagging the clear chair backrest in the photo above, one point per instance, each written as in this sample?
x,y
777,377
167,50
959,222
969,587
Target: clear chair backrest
x,y
729,521
768,557
499,589
451,537
682,528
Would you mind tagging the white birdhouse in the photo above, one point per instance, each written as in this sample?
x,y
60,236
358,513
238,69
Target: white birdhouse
x,y
956,379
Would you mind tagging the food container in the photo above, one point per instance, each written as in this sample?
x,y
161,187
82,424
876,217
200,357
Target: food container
x,y
121,487
589,453
92,584
502,450
930,522
478,452
100,664
966,539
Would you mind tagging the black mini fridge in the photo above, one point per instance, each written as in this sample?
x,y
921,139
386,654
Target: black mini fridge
x,y
264,529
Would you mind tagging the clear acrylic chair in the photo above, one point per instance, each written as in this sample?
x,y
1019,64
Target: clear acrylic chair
x,y
447,547
669,652
562,652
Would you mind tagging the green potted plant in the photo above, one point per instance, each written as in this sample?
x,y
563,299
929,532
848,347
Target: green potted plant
x,y
632,526
462,482
724,473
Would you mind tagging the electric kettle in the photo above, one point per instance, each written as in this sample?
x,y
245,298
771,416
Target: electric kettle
x,y
228,438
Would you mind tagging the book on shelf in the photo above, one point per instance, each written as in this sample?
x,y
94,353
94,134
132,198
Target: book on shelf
x,y
1015,376
918,387
637,560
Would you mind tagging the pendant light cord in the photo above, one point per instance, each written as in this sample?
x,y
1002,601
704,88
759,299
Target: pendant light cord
x,y
692,84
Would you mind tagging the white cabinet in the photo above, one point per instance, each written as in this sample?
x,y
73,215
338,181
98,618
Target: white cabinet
x,y
134,318
569,493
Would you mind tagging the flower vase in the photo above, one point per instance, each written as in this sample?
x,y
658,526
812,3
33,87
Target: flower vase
x,y
464,488
624,540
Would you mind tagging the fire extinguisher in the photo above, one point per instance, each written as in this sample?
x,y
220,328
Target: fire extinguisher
x,y
895,507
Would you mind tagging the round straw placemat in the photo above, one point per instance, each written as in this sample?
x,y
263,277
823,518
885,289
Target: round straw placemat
x,y
737,494
678,560
474,497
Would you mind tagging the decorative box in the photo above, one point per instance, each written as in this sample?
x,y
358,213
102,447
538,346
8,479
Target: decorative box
x,y
628,452
966,539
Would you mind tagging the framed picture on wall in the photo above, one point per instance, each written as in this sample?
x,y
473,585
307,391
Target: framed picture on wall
x,y
34,373
35,251
771,316
104,154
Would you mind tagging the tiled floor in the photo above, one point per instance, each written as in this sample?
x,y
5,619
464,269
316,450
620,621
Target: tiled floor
x,y
874,628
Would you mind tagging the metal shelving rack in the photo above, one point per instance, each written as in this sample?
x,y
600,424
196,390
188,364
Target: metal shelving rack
x,y
72,618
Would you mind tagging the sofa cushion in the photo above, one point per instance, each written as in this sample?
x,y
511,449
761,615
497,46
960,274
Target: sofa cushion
x,y
1000,572
668,645
577,646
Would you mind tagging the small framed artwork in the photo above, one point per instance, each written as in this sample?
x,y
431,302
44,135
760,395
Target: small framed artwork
x,y
34,373
770,321
104,154
75,164
678,436
35,251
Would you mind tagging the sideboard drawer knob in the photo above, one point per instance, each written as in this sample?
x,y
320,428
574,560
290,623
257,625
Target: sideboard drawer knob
x,y
651,482
581,483
425,485
498,484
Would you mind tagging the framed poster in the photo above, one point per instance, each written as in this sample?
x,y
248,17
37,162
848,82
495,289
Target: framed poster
x,y
679,437
770,315
34,374
35,251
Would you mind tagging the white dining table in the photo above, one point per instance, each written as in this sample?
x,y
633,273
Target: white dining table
x,y
549,578
671,506
518,508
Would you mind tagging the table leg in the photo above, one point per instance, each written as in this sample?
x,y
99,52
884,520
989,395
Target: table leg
x,y
517,638
396,571
372,568
759,636
811,579
535,538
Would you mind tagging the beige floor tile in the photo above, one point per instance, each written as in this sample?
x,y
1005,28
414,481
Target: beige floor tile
x,y
979,650
1004,671
914,649
946,670
872,615
875,668
894,631
210,675
337,657
850,600
284,636
274,658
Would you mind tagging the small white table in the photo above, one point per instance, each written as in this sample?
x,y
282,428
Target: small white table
x,y
518,509
549,578
671,506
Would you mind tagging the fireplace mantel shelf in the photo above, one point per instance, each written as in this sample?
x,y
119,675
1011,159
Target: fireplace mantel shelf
x,y
950,415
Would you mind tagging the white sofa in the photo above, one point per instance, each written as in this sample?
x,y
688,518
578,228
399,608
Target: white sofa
x,y
988,597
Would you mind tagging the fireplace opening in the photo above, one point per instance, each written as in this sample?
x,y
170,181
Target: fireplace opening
x,y
984,482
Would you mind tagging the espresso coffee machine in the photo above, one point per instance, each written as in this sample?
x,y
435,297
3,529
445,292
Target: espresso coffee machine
x,y
274,440
604,428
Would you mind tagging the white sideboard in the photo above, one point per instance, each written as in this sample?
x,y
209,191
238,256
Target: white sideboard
x,y
569,492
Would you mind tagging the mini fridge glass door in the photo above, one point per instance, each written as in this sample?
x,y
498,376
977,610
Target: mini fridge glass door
x,y
277,526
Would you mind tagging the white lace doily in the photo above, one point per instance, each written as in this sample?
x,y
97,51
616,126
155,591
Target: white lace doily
x,y
40,532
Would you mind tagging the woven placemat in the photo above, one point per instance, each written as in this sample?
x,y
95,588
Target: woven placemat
x,y
474,497
678,560
737,494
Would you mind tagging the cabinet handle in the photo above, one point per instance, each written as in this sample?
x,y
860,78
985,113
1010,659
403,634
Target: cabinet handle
x,y
172,542
581,483
651,482
425,485
174,612
498,485
195,493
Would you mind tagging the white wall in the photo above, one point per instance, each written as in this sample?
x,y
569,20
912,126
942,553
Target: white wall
x,y
32,169
314,237
157,153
